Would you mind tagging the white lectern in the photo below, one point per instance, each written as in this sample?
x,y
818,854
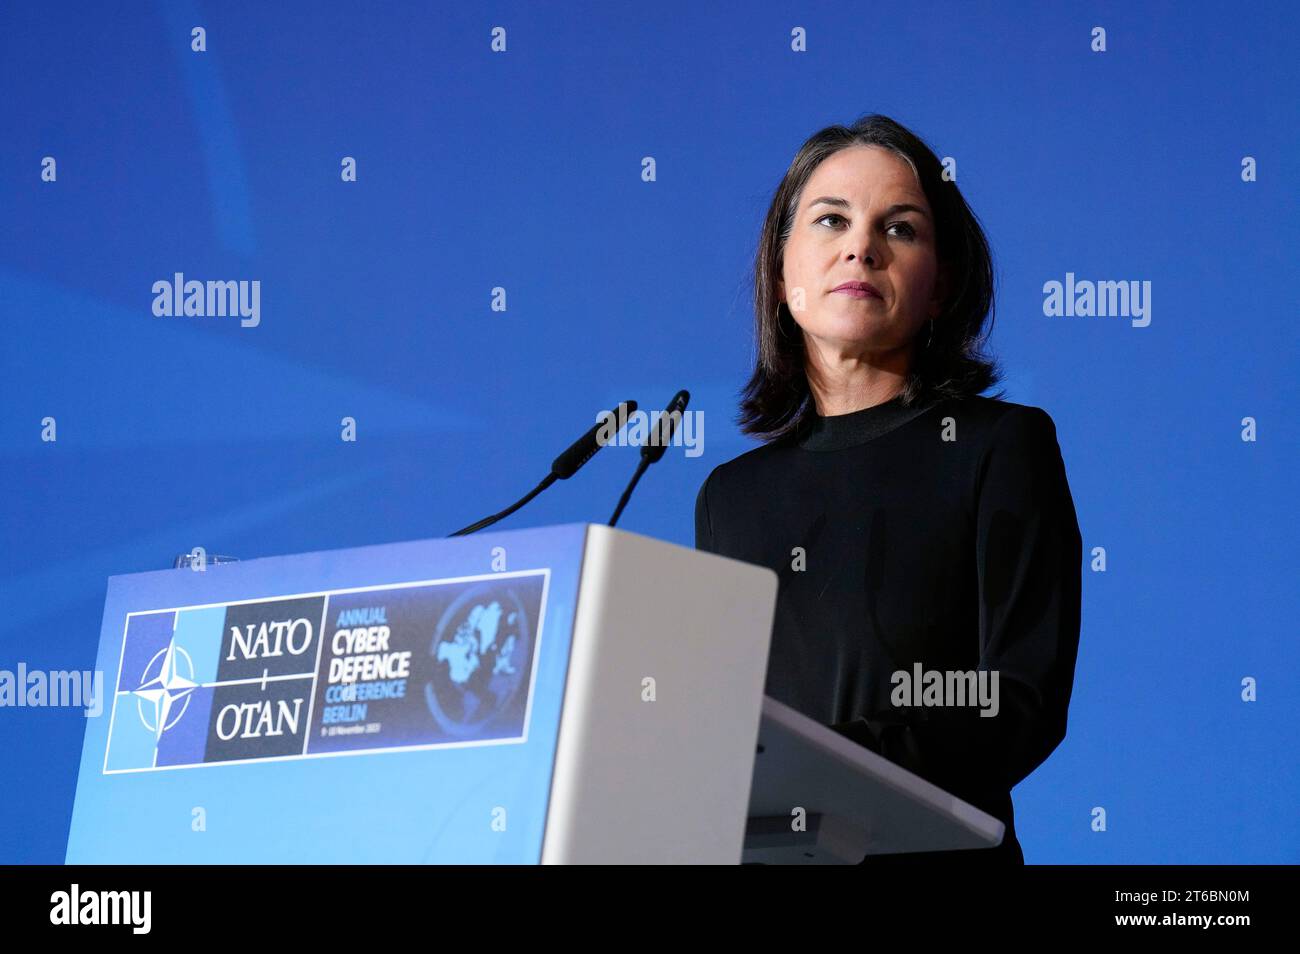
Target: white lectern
x,y
562,694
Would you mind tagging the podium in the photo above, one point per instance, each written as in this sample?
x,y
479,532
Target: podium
x,y
565,694
849,802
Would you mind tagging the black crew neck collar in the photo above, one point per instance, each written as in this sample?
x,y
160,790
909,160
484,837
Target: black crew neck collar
x,y
839,431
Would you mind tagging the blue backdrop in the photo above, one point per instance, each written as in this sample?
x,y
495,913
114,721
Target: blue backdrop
x,y
1169,157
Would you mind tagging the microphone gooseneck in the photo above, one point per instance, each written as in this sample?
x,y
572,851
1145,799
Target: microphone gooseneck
x,y
655,446
566,465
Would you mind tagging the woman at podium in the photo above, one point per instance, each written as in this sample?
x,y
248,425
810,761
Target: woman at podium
x,y
924,534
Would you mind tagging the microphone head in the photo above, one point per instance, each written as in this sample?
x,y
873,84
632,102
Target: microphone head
x,y
662,433
585,447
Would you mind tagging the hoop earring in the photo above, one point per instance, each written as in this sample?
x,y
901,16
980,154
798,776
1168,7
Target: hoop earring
x,y
780,320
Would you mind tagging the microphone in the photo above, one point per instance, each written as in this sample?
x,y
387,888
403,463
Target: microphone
x,y
655,446
564,466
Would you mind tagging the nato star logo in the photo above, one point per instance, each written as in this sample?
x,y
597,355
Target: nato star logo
x,y
165,695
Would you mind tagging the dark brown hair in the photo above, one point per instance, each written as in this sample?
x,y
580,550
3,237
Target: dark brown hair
x,y
777,402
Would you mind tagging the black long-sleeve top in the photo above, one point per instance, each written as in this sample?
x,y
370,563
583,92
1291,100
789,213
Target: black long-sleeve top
x,y
943,535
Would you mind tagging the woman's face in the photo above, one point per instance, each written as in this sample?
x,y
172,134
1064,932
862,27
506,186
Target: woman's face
x,y
862,217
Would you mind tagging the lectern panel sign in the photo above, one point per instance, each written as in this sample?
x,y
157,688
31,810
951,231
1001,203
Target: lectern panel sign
x,y
343,672
392,703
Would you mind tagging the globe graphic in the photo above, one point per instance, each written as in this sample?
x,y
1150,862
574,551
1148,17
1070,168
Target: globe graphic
x,y
481,653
